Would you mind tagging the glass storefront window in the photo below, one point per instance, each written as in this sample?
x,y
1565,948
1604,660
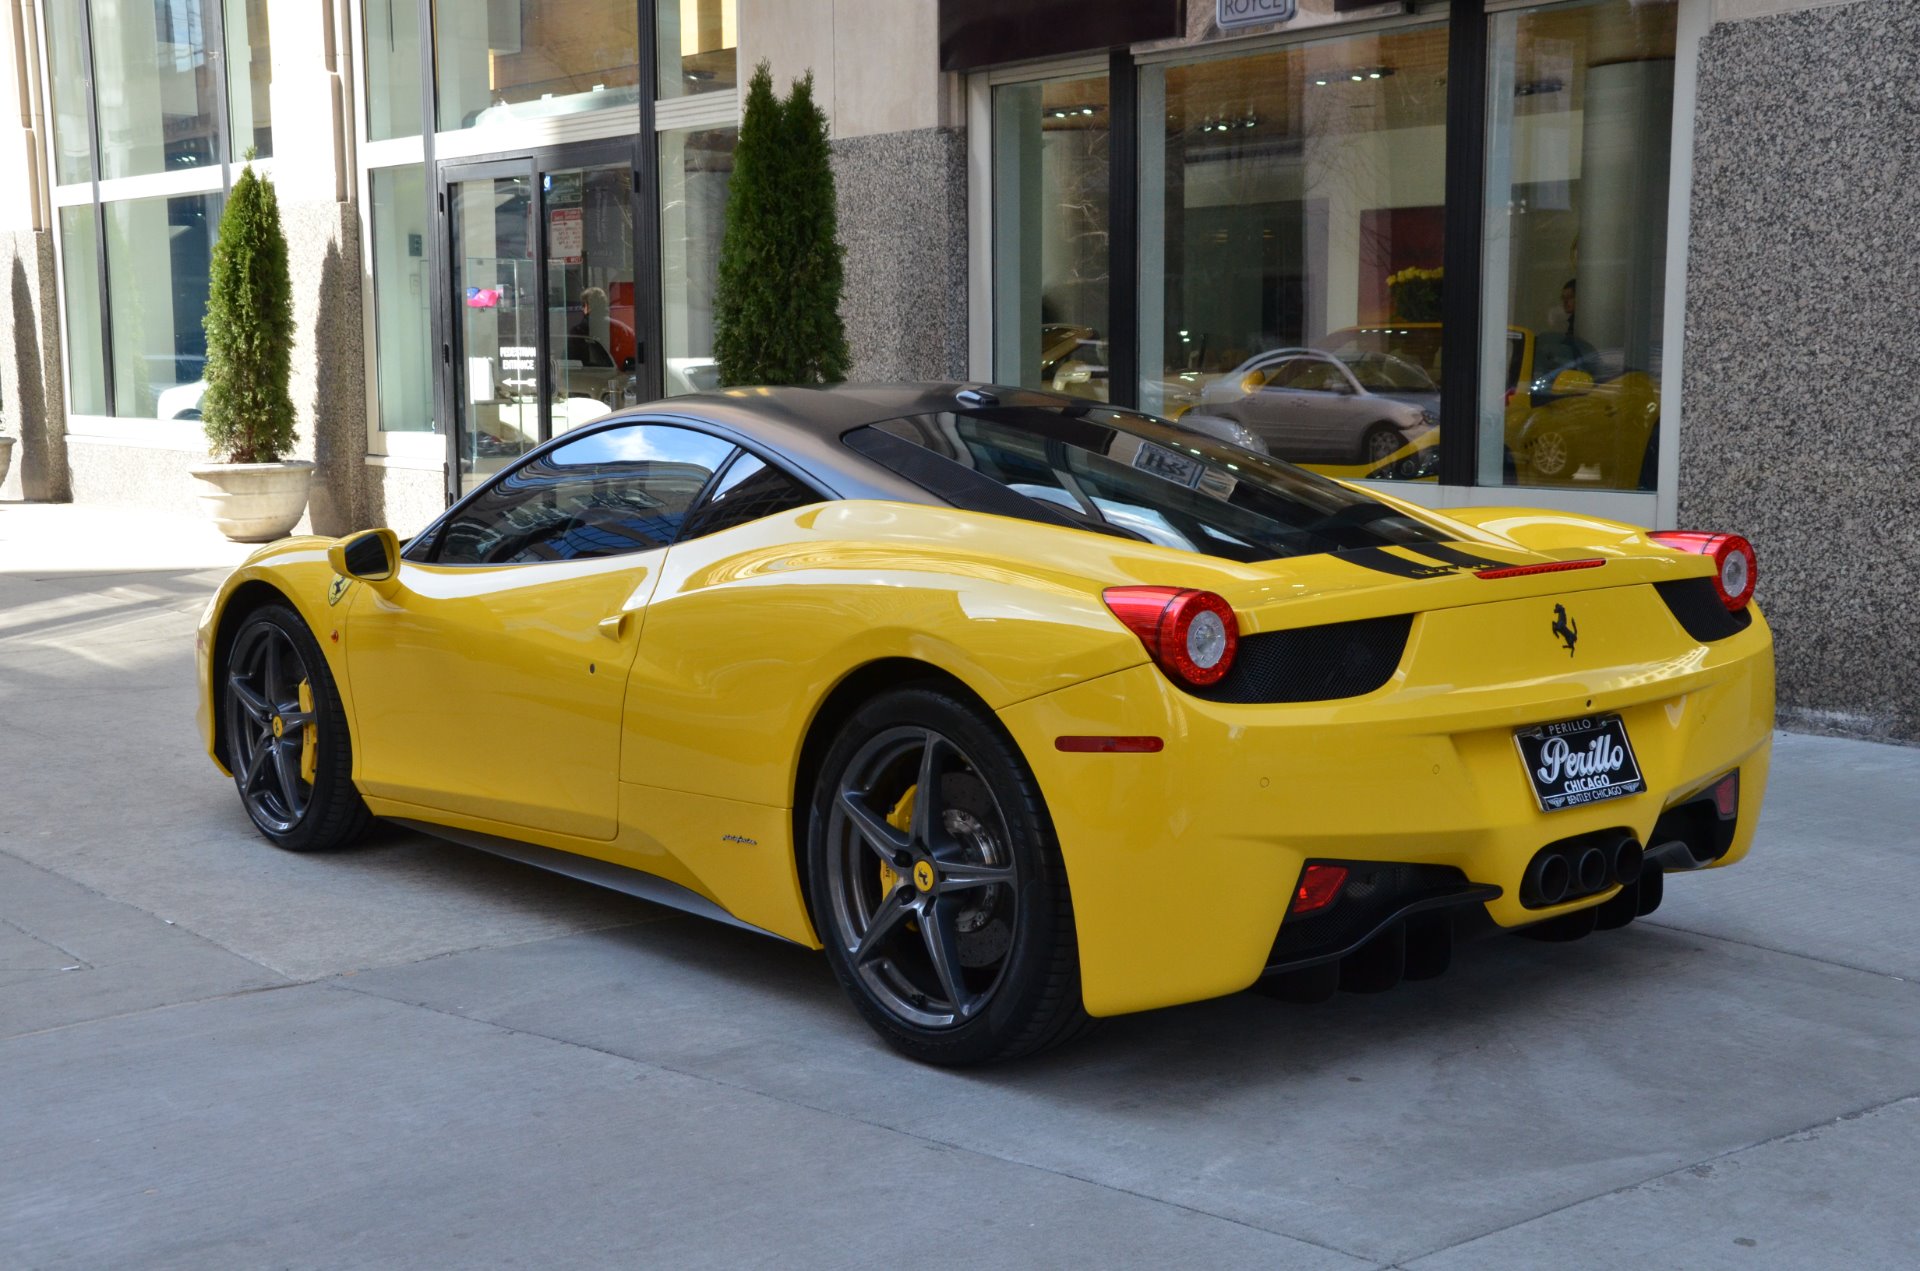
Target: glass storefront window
x,y
67,59
1292,230
80,280
1050,175
1580,118
249,78
155,85
695,169
698,47
522,59
401,282
392,40
158,255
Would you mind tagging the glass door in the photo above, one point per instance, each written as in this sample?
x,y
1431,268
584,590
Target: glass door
x,y
544,333
494,361
593,348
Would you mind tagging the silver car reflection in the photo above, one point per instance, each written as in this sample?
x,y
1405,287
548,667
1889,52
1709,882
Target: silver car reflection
x,y
1309,406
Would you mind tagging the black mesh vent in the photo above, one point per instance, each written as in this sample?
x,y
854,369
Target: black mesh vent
x,y
1696,604
1314,664
1374,892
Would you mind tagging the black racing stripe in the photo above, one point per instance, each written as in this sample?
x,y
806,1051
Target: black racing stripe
x,y
1465,560
1385,562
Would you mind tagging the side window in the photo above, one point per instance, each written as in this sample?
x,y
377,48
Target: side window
x,y
621,490
749,490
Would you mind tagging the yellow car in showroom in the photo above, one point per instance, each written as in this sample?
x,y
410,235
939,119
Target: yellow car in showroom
x,y
1026,708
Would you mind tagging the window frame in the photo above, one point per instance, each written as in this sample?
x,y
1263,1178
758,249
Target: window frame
x,y
1468,114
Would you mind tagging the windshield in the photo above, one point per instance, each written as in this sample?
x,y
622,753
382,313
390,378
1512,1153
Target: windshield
x,y
1143,478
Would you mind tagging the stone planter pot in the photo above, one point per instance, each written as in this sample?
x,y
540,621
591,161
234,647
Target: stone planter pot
x,y
6,457
255,502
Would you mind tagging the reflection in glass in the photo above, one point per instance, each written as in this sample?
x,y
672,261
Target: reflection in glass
x,y
591,344
695,169
80,282
698,47
156,86
249,78
159,252
392,37
67,61
497,324
1292,232
1050,146
523,59
1580,115
400,281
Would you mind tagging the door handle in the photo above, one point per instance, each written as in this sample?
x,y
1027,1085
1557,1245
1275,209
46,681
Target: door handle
x,y
614,626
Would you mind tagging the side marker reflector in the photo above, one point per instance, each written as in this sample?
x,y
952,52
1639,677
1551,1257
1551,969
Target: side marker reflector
x,y
1319,885
1109,745
1550,567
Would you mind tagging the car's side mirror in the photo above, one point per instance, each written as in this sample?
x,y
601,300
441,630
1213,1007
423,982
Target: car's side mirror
x,y
1572,383
371,556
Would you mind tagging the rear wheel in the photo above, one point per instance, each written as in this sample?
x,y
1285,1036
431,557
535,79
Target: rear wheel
x,y
1380,441
1550,455
286,735
937,886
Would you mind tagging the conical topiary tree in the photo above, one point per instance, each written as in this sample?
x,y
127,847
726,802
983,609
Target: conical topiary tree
x,y
247,409
777,303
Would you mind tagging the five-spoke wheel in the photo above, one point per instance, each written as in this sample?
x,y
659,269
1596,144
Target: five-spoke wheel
x,y
286,741
936,884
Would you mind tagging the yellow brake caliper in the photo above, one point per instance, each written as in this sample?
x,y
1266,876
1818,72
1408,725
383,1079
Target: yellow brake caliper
x,y
310,739
900,818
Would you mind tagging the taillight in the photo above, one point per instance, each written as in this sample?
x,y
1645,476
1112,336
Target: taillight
x,y
1191,634
1319,886
1735,568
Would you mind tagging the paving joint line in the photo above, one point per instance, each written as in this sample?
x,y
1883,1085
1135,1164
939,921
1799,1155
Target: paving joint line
x,y
1651,1179
741,1088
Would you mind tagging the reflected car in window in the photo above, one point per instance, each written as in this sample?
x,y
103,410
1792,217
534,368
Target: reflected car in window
x,y
1310,406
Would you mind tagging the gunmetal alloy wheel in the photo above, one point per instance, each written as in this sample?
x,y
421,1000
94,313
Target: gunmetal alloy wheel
x,y
286,735
1381,441
923,884
937,887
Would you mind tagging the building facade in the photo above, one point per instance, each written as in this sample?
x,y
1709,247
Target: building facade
x,y
1622,257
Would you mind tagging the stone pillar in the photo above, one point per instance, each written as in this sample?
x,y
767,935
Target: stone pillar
x,y
314,175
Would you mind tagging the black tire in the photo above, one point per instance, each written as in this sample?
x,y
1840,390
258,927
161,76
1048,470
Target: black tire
x,y
987,887
272,654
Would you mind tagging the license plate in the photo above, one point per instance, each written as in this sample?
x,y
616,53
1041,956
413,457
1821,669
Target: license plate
x,y
1579,761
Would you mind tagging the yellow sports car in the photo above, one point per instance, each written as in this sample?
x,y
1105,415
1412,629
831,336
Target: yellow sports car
x,y
1028,709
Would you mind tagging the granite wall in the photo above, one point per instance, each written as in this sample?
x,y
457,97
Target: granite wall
x,y
902,202
1802,381
32,384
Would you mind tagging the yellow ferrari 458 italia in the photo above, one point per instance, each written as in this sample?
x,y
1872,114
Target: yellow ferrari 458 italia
x,y
1026,708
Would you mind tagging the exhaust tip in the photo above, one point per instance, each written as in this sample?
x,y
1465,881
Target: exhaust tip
x,y
1592,870
1628,860
1551,878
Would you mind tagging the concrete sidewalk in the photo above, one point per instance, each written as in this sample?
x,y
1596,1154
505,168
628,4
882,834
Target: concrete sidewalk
x,y
214,1054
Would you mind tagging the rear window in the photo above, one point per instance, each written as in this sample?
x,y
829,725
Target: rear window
x,y
1142,478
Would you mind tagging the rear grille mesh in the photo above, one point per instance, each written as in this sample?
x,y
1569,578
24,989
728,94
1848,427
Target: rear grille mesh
x,y
1314,664
1695,603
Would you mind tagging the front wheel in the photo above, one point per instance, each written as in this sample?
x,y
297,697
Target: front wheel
x,y
937,886
286,735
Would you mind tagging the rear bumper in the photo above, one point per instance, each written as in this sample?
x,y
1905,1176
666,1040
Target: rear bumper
x,y
1182,863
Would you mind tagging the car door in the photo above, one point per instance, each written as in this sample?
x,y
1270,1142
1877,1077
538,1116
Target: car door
x,y
1298,410
490,680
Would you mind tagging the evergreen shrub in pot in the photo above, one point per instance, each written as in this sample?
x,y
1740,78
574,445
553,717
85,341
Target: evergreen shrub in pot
x,y
253,492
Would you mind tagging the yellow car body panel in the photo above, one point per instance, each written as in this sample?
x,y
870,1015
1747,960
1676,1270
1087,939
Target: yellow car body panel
x,y
652,710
